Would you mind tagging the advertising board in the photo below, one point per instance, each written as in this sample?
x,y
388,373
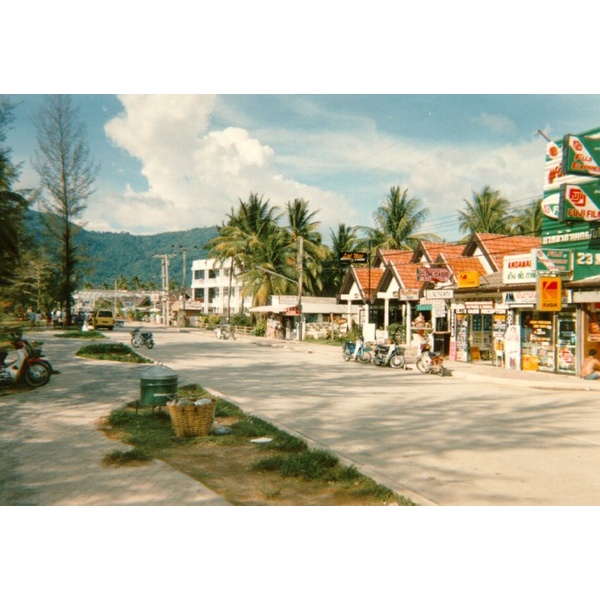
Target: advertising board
x,y
581,155
579,202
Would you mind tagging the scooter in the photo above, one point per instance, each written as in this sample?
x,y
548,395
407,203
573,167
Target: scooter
x,y
28,366
431,362
142,338
388,355
224,333
360,353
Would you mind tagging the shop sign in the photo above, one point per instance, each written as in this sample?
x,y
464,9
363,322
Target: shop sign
x,y
581,155
433,274
439,294
520,298
409,294
549,294
468,279
353,257
483,305
518,268
551,260
292,311
579,202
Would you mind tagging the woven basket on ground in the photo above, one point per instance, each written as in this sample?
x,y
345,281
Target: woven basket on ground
x,y
192,420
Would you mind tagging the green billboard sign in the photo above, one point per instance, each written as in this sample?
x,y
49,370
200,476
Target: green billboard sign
x,y
579,202
581,155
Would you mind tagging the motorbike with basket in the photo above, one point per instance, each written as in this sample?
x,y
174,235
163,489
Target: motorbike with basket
x,y
28,366
431,362
389,355
141,338
357,351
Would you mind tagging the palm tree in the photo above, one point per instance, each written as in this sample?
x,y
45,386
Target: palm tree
x,y
245,238
344,240
529,220
302,224
397,221
488,212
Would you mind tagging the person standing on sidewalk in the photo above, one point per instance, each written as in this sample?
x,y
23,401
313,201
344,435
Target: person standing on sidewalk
x,y
591,366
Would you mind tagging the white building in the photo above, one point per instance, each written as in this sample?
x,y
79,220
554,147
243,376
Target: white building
x,y
211,283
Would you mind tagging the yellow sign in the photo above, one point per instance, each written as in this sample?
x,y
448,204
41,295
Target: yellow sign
x,y
549,293
468,279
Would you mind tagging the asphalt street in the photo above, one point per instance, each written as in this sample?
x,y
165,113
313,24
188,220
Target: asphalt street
x,y
483,437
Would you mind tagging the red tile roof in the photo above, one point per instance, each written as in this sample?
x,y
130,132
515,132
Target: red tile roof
x,y
498,246
368,282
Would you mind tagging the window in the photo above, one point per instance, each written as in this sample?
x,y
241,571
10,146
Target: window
x,y
199,294
199,274
213,273
213,294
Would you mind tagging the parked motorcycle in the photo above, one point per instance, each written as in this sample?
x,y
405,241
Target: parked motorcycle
x,y
431,362
361,354
141,338
224,333
28,366
388,355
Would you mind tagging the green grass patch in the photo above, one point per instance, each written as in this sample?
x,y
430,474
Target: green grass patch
x,y
111,351
150,432
81,335
120,458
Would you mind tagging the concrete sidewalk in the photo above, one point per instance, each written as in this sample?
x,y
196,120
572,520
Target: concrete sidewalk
x,y
52,449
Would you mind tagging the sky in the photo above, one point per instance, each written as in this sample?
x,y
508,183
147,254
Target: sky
x,y
172,162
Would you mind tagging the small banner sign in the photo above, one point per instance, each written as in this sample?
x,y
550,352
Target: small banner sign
x,y
552,261
468,279
549,294
579,202
429,274
353,257
581,155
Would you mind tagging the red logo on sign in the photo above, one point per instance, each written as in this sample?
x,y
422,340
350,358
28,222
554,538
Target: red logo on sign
x,y
577,197
577,145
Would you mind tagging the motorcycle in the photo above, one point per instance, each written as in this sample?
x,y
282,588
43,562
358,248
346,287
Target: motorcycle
x,y
360,353
142,338
224,333
388,355
431,362
28,366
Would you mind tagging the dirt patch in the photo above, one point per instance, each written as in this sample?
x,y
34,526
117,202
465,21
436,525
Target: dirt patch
x,y
226,464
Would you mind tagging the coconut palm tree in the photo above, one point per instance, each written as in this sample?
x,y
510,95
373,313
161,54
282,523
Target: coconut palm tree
x,y
529,220
245,239
488,212
302,224
345,239
397,221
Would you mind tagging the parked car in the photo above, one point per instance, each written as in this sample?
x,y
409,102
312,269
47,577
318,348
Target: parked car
x,y
104,318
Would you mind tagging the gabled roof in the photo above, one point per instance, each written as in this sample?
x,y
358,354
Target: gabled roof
x,y
462,264
384,257
429,251
495,247
367,280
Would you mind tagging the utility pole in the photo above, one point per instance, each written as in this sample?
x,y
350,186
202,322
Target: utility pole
x,y
300,270
165,284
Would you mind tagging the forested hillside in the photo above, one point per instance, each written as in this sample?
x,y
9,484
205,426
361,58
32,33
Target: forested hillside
x,y
109,256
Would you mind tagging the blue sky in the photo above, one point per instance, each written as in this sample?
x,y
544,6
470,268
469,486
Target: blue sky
x,y
172,162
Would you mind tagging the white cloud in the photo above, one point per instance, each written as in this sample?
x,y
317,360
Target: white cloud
x,y
194,174
496,123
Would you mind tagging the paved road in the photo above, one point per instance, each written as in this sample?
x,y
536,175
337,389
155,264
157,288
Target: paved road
x,y
476,438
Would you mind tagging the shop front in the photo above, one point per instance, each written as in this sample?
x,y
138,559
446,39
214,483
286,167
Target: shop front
x,y
478,326
549,341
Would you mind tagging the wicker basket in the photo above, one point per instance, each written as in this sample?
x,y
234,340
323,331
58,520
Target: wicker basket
x,y
191,420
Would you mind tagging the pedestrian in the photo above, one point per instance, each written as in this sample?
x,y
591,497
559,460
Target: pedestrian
x,y
591,366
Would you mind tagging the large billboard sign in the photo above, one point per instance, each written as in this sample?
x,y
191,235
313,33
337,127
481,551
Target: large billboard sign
x,y
581,155
579,202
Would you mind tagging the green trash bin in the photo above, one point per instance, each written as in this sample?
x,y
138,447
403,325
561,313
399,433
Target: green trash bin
x,y
158,385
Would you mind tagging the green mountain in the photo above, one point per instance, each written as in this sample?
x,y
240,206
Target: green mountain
x,y
108,256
